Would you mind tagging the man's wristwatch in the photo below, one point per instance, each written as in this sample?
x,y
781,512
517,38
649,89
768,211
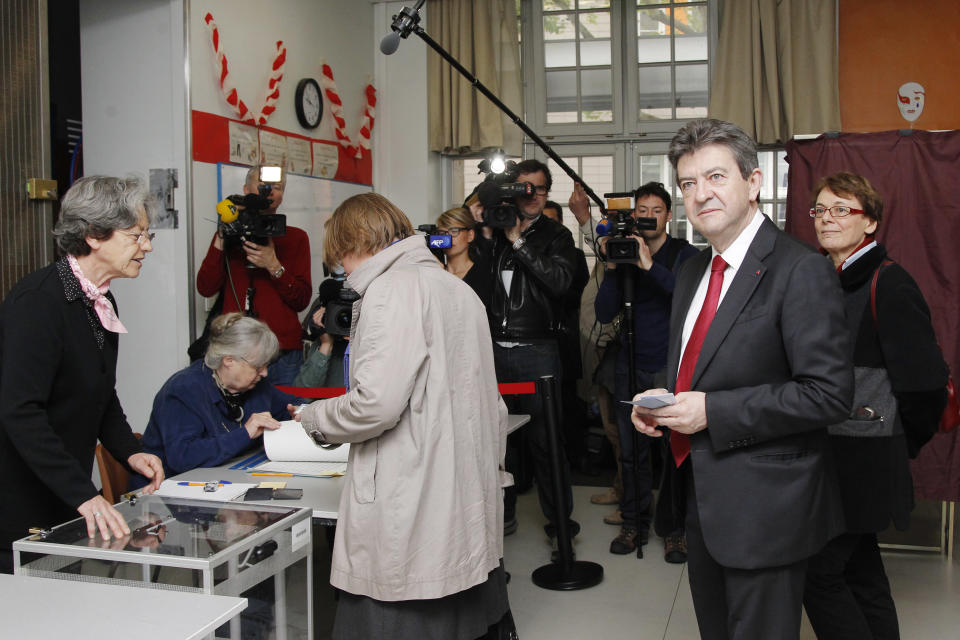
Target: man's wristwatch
x,y
518,243
279,272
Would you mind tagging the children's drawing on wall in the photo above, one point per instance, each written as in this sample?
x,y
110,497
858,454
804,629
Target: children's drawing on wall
x,y
910,97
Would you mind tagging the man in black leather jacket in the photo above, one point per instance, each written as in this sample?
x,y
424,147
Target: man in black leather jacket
x,y
532,267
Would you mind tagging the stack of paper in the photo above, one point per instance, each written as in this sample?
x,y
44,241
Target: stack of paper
x,y
224,492
291,450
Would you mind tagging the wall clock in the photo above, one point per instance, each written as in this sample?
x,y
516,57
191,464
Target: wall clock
x,y
308,103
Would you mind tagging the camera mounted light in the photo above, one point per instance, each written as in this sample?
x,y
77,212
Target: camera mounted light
x,y
497,162
271,174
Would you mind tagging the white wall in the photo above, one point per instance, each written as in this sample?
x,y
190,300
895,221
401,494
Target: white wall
x,y
133,121
404,170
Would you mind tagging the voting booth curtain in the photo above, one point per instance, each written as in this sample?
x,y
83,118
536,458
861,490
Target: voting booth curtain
x,y
776,72
482,36
916,173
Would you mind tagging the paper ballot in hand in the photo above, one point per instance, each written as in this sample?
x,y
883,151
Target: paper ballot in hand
x,y
653,401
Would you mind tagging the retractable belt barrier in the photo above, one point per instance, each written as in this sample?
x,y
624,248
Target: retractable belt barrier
x,y
506,389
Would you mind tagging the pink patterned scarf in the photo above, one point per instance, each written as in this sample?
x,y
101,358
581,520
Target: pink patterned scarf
x,y
103,307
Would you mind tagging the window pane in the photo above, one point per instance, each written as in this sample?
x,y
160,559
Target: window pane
x,y
653,35
782,168
593,4
594,25
558,27
655,168
692,91
690,24
562,96
596,95
560,54
655,95
765,159
594,53
555,5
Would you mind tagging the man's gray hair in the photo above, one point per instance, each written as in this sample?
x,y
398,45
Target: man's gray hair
x,y
697,134
241,337
96,206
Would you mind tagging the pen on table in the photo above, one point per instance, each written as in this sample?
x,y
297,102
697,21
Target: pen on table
x,y
200,484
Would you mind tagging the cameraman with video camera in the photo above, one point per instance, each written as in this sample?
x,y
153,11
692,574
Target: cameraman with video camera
x,y
532,266
658,256
262,271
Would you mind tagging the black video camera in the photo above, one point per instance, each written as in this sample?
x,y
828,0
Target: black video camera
x,y
240,218
339,314
621,248
498,193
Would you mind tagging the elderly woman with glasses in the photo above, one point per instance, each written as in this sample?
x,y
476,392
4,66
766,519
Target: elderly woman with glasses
x,y
59,333
219,406
463,257
899,395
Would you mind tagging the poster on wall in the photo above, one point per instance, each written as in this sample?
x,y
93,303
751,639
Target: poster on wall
x,y
273,148
326,157
298,155
244,147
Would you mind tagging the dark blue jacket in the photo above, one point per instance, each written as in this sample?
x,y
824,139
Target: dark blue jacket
x,y
189,426
653,294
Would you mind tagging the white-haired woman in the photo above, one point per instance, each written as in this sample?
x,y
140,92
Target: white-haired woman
x,y
219,406
58,363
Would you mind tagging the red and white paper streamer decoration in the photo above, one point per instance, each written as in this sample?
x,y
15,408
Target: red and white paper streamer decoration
x,y
230,92
336,108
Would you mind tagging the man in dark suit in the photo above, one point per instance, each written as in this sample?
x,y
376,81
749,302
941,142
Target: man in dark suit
x,y
757,360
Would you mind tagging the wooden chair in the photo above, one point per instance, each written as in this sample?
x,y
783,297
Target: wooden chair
x,y
113,476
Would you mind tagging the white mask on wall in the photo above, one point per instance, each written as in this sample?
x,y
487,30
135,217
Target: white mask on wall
x,y
910,98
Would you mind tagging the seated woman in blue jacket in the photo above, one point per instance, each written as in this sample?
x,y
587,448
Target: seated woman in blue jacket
x,y
218,407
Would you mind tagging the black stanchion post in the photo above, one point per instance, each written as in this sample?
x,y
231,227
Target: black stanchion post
x,y
567,574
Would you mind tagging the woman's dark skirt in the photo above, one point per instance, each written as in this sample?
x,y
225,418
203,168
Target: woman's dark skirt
x,y
466,615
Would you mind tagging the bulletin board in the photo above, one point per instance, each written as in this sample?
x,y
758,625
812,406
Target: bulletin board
x,y
307,202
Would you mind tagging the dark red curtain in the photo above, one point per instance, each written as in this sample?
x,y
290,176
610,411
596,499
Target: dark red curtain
x,y
918,175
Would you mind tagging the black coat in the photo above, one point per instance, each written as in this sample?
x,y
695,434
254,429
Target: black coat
x,y
57,398
543,270
874,474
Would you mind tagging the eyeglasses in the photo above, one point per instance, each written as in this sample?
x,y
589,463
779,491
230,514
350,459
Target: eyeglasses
x,y
256,367
453,232
541,190
141,238
836,211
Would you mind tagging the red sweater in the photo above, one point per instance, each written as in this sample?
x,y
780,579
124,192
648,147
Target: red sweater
x,y
276,301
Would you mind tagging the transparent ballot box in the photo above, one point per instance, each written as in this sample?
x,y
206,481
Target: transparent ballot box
x,y
260,552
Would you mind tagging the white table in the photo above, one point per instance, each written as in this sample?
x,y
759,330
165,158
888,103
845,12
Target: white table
x,y
322,495
48,608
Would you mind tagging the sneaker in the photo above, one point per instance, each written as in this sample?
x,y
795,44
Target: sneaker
x,y
607,497
510,526
675,549
624,543
615,518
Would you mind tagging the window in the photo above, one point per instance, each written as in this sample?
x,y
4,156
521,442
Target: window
x,y
672,60
577,60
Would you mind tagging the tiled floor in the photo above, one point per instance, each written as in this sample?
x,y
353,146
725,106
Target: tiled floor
x,y
647,598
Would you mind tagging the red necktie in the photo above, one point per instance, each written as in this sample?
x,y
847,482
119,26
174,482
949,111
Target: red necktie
x,y
680,442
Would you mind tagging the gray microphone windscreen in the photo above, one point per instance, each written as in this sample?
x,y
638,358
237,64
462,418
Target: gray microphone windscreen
x,y
390,43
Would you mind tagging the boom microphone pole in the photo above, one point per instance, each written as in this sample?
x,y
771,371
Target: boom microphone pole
x,y
408,21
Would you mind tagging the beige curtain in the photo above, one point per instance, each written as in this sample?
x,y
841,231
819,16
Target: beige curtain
x,y
776,73
482,36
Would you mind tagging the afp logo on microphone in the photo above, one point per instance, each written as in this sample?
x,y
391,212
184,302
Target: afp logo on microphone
x,y
440,242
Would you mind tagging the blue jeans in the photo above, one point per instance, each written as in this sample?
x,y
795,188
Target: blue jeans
x,y
285,368
628,501
527,364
